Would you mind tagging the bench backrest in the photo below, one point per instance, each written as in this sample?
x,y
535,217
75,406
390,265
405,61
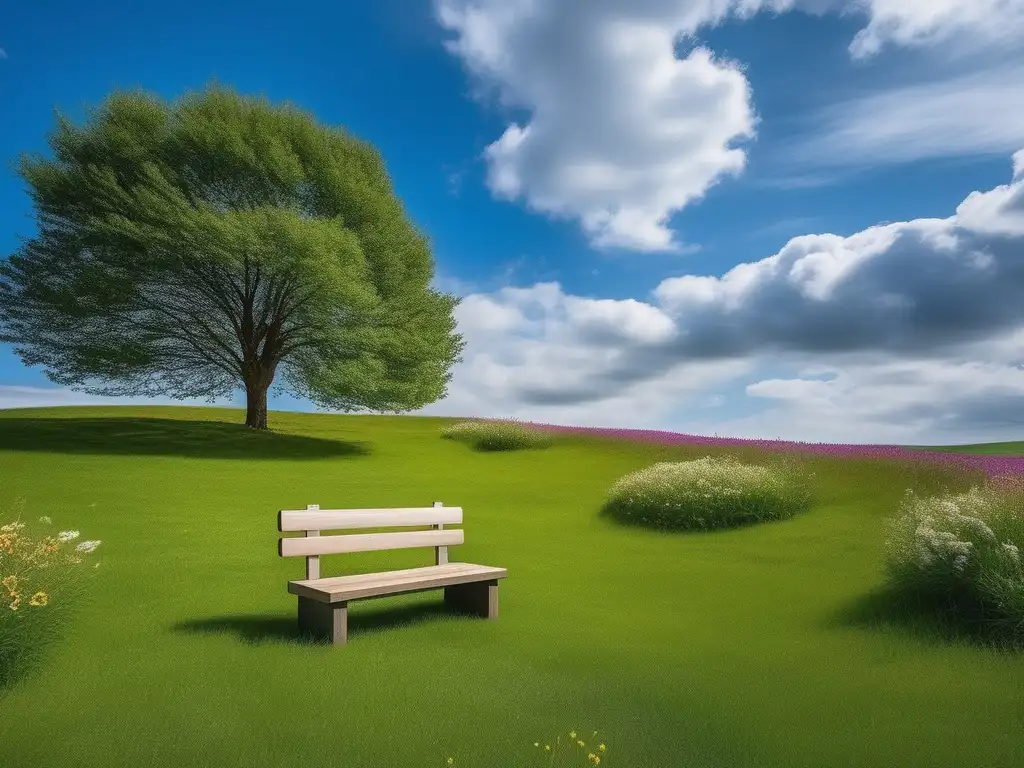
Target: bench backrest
x,y
313,520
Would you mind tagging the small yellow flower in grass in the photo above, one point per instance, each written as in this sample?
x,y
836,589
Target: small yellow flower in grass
x,y
593,758
580,743
39,598
451,761
572,734
547,747
536,743
16,603
601,747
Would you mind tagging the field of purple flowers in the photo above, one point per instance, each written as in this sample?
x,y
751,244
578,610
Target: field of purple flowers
x,y
991,465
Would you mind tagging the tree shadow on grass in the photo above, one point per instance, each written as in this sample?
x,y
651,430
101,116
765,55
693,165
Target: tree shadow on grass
x,y
930,622
256,629
165,437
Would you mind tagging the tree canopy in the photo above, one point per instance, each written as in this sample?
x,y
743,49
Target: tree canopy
x,y
219,242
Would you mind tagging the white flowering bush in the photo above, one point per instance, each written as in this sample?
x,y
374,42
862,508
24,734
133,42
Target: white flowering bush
x,y
709,493
43,580
963,552
504,435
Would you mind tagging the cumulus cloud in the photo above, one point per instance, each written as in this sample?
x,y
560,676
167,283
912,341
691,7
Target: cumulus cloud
x,y
915,331
930,22
903,288
622,132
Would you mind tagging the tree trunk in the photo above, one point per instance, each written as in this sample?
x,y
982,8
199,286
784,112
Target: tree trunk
x,y
256,405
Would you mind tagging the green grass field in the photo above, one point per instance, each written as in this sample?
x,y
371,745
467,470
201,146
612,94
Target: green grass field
x,y
764,646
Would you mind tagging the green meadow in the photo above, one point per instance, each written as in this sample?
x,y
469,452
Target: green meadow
x,y
768,645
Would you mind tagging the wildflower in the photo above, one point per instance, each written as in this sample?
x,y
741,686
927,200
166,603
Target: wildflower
x,y
1011,550
593,758
12,527
9,582
536,743
451,761
16,603
88,546
67,535
580,743
39,598
547,747
45,520
601,747
572,734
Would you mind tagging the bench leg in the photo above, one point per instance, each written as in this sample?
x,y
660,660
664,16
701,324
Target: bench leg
x,y
324,620
479,597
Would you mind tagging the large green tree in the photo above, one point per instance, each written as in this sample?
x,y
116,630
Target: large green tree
x,y
190,249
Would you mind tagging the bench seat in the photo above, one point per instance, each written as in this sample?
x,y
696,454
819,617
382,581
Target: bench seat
x,y
323,602
340,589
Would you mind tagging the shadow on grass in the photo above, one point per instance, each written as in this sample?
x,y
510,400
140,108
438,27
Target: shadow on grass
x,y
261,629
165,437
930,622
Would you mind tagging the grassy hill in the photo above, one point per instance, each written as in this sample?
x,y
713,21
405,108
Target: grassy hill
x,y
764,646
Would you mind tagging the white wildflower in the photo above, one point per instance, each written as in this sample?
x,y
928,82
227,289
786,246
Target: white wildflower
x,y
88,546
45,520
67,535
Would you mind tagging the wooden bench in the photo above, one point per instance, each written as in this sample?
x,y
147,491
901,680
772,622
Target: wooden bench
x,y
323,603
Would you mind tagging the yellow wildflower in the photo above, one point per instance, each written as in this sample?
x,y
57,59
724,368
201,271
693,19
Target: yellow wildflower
x,y
39,598
16,603
580,743
593,758
547,747
601,747
451,761
536,743
572,734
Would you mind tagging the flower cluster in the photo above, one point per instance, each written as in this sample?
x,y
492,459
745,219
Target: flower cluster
x,y
707,493
497,435
964,550
20,555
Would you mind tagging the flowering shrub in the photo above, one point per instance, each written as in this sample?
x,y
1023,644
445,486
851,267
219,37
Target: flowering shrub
x,y
506,435
576,751
40,584
963,552
707,494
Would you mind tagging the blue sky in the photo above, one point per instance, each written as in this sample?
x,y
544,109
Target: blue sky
x,y
589,172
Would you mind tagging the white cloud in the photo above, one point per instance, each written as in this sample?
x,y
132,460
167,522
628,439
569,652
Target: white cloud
x,y
908,332
981,112
933,22
621,133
